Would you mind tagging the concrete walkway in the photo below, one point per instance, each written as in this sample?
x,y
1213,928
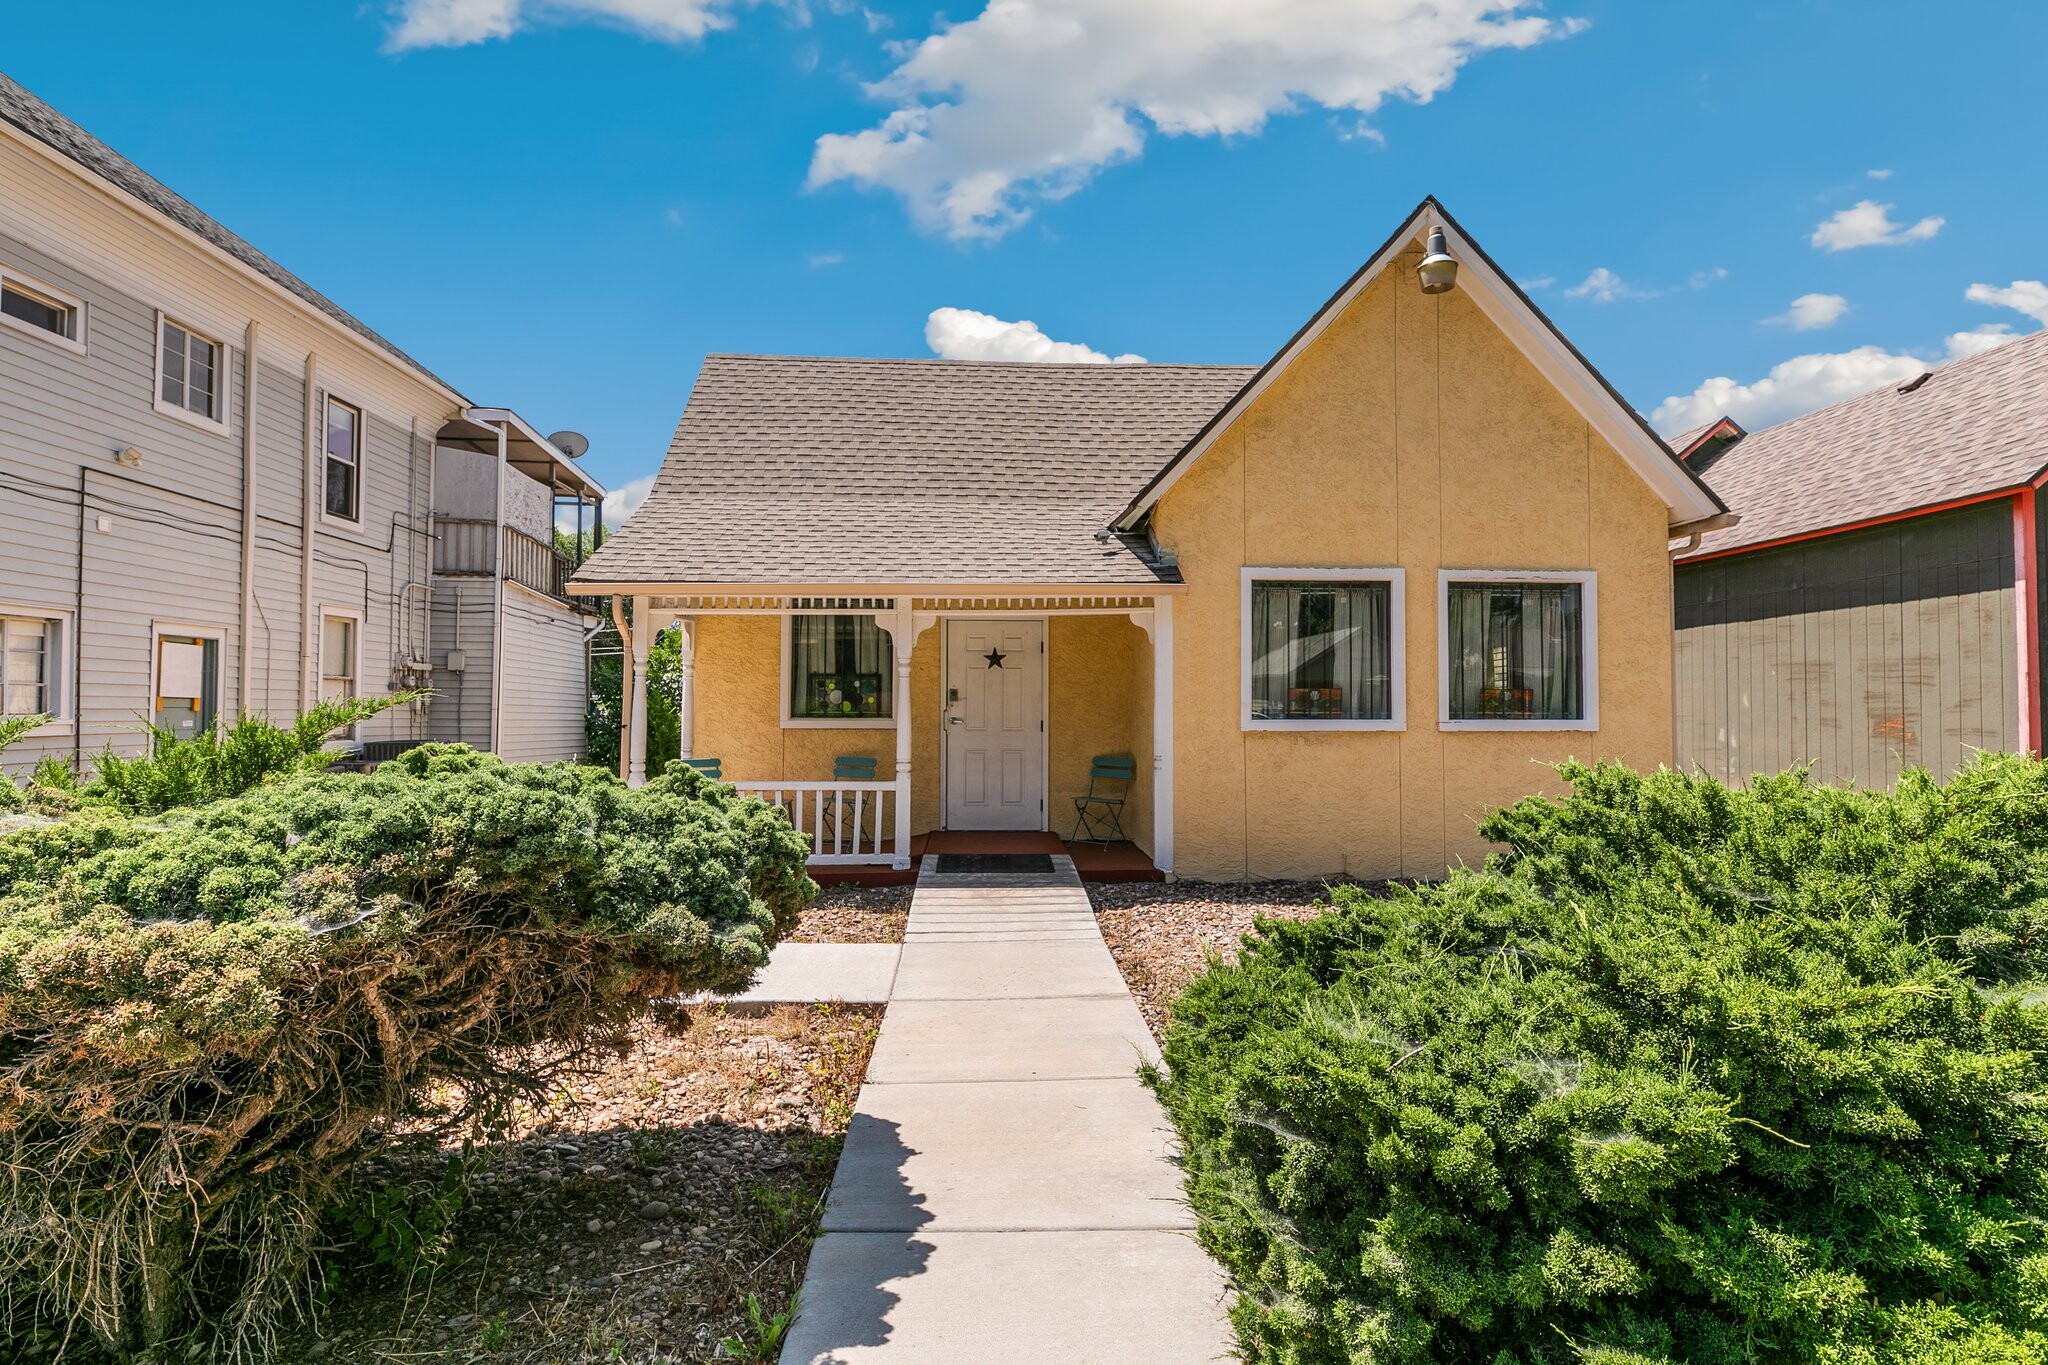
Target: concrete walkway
x,y
1005,1194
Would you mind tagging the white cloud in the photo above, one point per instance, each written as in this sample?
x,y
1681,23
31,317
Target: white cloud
x,y
1978,340
1811,312
825,260
1883,173
1870,224
1801,384
1604,286
1700,279
962,334
620,503
2023,296
1026,101
1806,382
459,23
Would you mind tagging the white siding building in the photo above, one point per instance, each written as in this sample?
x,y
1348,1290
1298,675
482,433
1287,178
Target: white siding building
x,y
221,494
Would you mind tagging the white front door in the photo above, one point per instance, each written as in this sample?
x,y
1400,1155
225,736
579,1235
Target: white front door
x,y
994,722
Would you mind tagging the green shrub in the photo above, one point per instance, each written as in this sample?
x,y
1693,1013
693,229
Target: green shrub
x,y
207,1017
229,761
1688,1074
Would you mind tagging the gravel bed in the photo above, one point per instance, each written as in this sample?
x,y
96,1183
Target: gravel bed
x,y
1162,933
632,1219
855,914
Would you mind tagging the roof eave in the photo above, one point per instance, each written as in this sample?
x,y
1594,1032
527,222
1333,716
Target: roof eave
x,y
580,587
220,256
1534,334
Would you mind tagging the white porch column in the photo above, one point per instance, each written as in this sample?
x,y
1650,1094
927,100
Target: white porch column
x,y
902,630
1162,735
636,700
686,687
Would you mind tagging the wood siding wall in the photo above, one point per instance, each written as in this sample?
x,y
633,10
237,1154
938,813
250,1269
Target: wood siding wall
x,y
1861,654
171,550
543,721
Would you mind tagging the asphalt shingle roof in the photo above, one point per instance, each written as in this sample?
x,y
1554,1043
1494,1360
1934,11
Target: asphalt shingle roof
x,y
802,470
22,108
1971,427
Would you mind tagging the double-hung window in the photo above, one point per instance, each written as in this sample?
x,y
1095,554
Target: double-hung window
x,y
344,460
31,659
33,307
839,670
189,371
1519,651
1322,649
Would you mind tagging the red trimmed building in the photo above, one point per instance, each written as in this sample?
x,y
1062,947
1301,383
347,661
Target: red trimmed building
x,y
1878,606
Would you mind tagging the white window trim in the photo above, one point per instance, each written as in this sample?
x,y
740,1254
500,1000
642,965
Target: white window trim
x,y
793,722
31,285
1397,627
218,634
323,613
335,519
62,690
222,370
1589,606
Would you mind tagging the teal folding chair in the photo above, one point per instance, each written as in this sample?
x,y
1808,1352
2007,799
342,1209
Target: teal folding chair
x,y
708,768
1100,810
847,768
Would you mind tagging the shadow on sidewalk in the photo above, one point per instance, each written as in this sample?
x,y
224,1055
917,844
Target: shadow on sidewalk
x,y
845,1302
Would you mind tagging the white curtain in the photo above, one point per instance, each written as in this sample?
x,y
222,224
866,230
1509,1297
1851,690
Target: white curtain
x,y
1517,651
1322,651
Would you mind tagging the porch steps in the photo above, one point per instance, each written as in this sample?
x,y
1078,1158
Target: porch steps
x,y
1005,1193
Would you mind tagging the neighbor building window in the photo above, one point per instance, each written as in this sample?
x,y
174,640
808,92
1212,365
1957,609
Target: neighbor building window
x,y
344,459
187,701
34,307
189,368
840,668
1322,649
338,641
1519,651
29,659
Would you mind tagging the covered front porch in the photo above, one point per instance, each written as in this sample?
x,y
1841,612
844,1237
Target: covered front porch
x,y
895,727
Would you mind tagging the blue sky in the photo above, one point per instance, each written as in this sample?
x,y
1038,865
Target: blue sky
x,y
562,205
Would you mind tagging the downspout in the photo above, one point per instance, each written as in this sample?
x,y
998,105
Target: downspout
x,y
246,641
1692,542
307,515
498,595
625,683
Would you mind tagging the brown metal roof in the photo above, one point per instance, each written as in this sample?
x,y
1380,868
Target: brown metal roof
x,y
802,470
1972,427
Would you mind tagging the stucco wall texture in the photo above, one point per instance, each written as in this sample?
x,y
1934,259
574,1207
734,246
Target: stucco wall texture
x,y
1410,434
1093,688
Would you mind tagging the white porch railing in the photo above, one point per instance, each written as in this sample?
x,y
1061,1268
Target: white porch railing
x,y
848,823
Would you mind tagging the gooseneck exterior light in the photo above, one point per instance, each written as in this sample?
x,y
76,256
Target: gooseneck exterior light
x,y
1439,269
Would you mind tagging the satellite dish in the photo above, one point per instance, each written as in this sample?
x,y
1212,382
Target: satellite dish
x,y
574,444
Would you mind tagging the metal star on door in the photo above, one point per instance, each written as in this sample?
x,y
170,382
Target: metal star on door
x,y
995,658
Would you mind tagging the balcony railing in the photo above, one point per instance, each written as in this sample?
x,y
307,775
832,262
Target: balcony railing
x,y
464,548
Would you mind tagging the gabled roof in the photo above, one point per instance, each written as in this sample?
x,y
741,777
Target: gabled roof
x,y
1508,308
1972,428
32,117
1685,444
801,471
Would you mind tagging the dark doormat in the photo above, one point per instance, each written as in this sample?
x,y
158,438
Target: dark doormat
x,y
997,864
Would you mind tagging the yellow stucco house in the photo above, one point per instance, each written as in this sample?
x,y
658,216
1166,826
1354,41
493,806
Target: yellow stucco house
x,y
1334,606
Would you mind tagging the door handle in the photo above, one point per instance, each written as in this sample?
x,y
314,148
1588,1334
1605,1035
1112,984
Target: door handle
x,y
953,720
